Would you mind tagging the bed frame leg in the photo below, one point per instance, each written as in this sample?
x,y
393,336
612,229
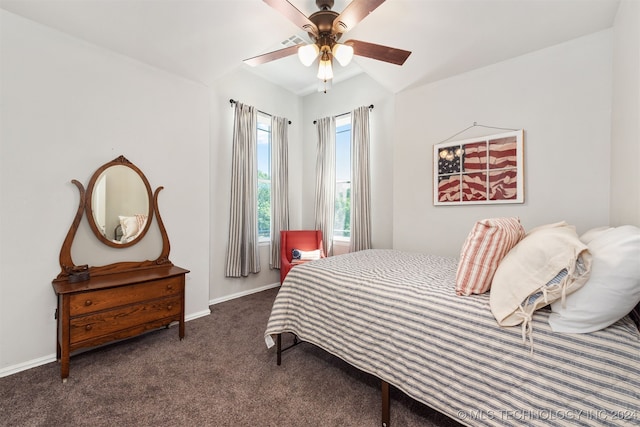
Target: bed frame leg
x,y
279,348
386,403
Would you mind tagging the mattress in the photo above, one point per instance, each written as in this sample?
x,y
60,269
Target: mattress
x,y
395,315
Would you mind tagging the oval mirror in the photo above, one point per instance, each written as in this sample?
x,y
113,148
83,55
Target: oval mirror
x,y
119,203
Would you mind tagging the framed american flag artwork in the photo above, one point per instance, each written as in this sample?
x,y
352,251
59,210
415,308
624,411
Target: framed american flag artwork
x,y
482,170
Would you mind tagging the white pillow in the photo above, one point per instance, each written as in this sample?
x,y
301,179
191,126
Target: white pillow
x,y
613,289
531,266
130,227
306,255
587,237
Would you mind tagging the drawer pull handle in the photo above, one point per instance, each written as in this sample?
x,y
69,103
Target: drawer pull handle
x,y
88,302
169,307
87,327
169,287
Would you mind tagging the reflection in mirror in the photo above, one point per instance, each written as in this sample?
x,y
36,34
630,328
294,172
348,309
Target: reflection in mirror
x,y
119,203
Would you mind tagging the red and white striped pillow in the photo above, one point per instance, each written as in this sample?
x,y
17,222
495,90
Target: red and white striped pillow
x,y
486,245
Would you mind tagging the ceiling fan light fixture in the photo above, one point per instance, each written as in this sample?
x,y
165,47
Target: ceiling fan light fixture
x,y
325,71
343,53
308,53
324,28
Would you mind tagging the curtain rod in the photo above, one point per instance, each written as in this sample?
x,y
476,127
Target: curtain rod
x,y
233,101
370,108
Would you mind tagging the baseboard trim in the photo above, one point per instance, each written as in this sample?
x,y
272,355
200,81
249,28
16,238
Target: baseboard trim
x,y
243,293
194,316
14,369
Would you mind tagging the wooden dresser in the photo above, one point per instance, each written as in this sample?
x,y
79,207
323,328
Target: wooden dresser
x,y
116,306
100,304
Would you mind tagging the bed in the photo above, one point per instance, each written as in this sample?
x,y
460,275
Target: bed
x,y
396,315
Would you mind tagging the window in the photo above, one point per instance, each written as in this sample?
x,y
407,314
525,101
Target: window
x,y
263,140
342,215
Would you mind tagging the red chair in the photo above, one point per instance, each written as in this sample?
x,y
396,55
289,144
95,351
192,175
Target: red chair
x,y
304,240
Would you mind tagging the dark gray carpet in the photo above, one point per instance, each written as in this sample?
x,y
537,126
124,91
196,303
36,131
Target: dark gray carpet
x,y
221,374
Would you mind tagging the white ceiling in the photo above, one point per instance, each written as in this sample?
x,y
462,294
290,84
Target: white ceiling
x,y
205,39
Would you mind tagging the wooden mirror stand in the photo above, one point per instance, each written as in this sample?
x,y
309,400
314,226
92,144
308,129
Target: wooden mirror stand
x,y
100,304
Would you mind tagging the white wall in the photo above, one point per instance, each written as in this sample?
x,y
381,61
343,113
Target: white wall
x,y
561,96
245,87
625,135
343,98
67,108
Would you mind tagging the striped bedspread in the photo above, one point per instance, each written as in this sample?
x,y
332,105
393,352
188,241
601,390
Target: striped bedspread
x,y
396,315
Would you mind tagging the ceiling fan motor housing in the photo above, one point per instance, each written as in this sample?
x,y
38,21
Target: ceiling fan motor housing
x,y
324,21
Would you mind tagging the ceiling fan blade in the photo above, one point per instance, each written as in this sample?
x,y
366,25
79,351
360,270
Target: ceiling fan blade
x,y
355,12
379,52
272,56
293,15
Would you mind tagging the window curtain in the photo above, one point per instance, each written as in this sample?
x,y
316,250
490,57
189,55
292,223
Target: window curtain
x,y
360,181
326,180
242,251
279,185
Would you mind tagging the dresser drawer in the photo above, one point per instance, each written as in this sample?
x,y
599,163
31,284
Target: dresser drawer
x,y
90,302
106,322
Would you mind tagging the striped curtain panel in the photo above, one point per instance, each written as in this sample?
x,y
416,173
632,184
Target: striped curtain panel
x,y
279,185
242,251
326,180
360,181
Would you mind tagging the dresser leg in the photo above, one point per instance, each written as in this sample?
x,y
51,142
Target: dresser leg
x,y
65,340
64,367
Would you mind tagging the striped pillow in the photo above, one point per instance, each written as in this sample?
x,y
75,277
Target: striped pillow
x,y
486,245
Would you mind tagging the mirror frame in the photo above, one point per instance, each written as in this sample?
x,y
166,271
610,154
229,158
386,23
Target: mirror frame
x,y
69,269
120,161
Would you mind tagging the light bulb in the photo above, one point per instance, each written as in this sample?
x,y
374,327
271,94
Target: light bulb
x,y
325,72
308,53
343,53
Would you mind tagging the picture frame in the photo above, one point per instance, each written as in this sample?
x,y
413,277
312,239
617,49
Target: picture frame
x,y
477,171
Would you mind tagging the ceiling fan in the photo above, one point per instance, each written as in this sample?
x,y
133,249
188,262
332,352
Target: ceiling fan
x,y
325,27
